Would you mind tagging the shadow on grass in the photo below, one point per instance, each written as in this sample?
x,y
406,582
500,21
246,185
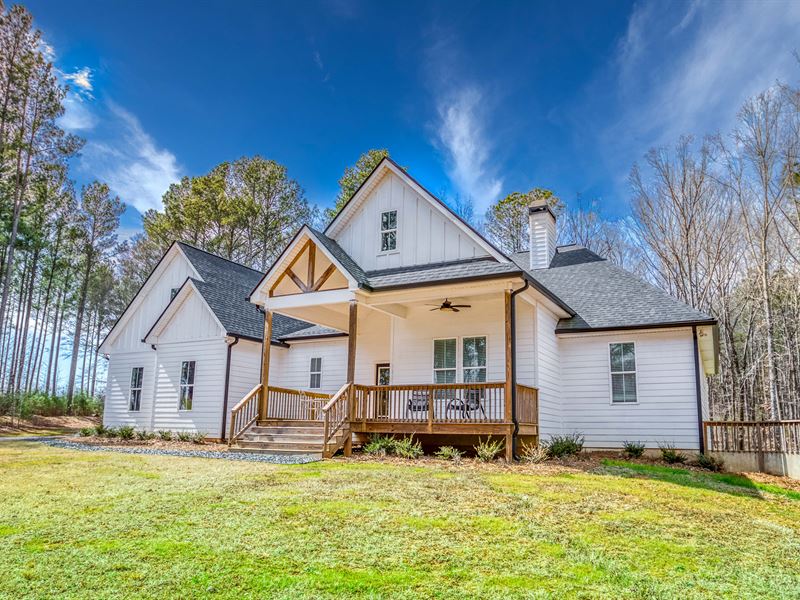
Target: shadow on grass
x,y
728,483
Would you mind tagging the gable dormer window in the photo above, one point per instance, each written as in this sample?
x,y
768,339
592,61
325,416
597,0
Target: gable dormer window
x,y
389,231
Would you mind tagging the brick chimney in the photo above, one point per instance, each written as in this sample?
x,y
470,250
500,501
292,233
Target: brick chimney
x,y
542,222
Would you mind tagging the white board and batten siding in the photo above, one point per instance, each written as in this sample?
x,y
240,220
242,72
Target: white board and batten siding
x,y
291,367
424,234
666,410
118,386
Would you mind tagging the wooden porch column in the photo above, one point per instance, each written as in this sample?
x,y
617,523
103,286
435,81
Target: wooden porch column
x,y
266,345
508,383
352,332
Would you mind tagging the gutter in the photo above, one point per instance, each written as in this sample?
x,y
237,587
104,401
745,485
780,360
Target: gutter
x,y
698,391
514,368
227,386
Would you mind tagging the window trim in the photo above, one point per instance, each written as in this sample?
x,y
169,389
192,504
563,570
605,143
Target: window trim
x,y
311,372
459,368
131,389
381,231
187,385
612,373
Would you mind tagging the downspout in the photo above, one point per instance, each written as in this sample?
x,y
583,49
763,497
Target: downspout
x,y
698,391
227,385
514,367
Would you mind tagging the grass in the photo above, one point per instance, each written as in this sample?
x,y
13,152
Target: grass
x,y
79,524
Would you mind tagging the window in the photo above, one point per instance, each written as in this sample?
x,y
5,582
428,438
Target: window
x,y
389,231
187,385
473,359
173,292
623,373
135,398
315,373
444,361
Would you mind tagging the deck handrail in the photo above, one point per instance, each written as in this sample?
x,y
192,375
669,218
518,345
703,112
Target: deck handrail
x,y
752,436
527,404
336,414
244,414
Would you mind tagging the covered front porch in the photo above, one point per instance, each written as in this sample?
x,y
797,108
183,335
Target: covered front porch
x,y
431,360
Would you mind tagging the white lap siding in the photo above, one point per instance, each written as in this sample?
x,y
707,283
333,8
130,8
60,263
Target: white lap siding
x,y
209,383
245,374
667,403
115,410
549,374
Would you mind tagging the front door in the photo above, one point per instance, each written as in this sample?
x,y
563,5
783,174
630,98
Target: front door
x,y
383,376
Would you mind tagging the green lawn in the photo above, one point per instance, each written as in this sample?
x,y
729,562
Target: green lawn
x,y
105,525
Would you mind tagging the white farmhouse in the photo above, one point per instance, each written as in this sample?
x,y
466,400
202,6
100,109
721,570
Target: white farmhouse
x,y
400,318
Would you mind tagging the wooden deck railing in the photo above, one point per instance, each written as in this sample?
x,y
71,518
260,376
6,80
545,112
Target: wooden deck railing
x,y
336,414
430,403
244,414
295,405
752,436
527,404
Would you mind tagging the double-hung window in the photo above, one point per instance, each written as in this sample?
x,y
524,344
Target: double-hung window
x,y
187,385
473,359
623,373
135,397
389,231
315,373
444,360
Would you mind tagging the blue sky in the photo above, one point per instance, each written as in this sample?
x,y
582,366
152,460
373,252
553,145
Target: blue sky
x,y
476,99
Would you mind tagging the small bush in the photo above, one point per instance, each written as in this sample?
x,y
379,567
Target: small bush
x,y
184,436
408,448
111,433
670,455
709,462
87,431
568,444
487,451
199,437
126,432
143,435
380,445
99,430
633,449
534,453
165,435
449,453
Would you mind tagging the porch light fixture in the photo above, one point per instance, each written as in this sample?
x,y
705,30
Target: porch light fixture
x,y
448,306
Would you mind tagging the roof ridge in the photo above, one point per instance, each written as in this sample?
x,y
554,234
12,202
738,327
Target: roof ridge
x,y
233,262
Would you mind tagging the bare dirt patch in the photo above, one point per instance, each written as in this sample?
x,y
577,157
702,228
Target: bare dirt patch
x,y
38,425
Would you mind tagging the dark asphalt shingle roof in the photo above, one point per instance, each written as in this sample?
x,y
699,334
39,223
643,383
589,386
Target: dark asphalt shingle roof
x,y
438,272
343,257
605,296
225,287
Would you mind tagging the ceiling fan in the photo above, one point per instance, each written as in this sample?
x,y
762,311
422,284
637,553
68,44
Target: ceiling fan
x,y
447,305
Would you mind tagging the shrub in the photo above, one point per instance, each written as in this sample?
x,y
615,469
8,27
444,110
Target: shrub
x,y
709,462
199,437
165,435
144,435
126,432
27,404
565,445
408,448
100,430
380,445
111,433
633,449
87,431
487,451
449,453
534,453
670,455
184,436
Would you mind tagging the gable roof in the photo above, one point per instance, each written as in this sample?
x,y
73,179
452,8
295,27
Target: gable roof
x,y
387,164
605,296
225,287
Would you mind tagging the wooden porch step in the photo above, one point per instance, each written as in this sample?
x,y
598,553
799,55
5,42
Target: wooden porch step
x,y
317,453
281,429
284,436
298,447
289,423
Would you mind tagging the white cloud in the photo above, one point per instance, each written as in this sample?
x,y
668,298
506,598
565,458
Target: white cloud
x,y
128,159
81,79
461,134
78,116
